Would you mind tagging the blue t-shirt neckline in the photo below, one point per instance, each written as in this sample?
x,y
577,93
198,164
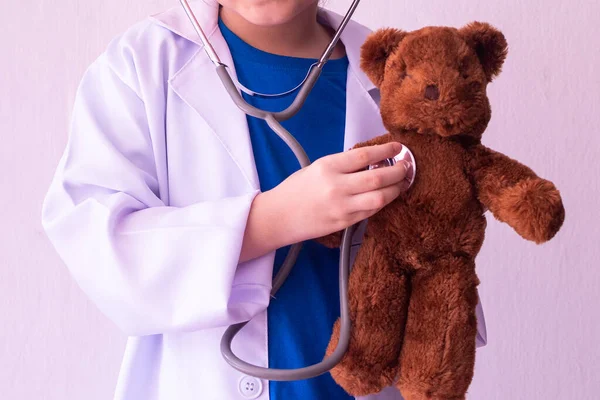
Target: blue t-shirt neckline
x,y
240,49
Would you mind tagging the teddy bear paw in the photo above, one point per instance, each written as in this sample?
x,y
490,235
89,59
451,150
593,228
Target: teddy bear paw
x,y
533,208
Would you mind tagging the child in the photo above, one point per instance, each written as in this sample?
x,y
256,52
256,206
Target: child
x,y
173,209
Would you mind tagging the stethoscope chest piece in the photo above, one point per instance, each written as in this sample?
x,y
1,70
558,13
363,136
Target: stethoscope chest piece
x,y
404,155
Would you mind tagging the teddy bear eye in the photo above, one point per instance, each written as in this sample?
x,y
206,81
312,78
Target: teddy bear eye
x,y
403,74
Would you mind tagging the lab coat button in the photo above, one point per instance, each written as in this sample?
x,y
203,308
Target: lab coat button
x,y
250,387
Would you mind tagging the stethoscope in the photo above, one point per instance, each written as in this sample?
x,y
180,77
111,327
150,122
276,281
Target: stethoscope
x,y
273,121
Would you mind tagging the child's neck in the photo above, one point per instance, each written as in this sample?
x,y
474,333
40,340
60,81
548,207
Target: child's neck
x,y
302,36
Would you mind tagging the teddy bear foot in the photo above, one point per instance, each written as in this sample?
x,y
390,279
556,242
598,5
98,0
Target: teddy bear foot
x,y
424,392
362,382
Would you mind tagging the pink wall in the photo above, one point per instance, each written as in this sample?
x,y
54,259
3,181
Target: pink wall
x,y
542,303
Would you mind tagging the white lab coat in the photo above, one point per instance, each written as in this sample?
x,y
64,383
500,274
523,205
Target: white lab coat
x,y
149,203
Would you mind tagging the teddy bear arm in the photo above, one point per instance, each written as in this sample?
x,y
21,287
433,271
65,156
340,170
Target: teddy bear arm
x,y
514,194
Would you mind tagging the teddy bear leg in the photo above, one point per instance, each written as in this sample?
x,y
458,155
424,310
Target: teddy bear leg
x,y
438,353
378,302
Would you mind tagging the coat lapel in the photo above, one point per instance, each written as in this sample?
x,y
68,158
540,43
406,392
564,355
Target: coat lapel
x,y
363,120
199,86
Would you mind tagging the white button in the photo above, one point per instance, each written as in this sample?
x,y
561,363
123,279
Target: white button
x,y
250,387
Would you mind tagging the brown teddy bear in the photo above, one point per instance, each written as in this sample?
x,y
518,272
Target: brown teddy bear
x,y
413,286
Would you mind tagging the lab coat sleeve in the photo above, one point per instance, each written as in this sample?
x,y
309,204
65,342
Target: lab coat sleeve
x,y
149,267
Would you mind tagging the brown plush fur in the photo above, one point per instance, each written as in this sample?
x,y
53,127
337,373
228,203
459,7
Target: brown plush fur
x,y
413,287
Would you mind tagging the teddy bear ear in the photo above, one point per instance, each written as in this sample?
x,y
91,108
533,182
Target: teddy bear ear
x,y
489,45
376,50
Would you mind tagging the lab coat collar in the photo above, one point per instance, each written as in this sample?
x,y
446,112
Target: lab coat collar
x,y
198,85
175,19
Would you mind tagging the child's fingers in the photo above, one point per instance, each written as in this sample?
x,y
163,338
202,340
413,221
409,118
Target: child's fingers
x,y
360,158
366,181
375,200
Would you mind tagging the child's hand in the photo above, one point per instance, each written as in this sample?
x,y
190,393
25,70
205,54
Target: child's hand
x,y
328,196
335,191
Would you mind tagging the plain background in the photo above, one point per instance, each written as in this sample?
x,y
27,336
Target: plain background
x,y
541,302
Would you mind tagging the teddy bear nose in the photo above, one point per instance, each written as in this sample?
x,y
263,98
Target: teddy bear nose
x,y
432,92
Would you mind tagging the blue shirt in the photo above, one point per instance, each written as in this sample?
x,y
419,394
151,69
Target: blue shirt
x,y
301,317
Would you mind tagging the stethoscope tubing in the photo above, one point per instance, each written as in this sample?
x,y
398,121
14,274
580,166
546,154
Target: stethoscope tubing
x,y
274,121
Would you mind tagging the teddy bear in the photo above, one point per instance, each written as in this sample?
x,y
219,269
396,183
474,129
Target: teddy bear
x,y
413,285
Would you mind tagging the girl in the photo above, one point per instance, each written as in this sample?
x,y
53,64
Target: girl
x,y
173,210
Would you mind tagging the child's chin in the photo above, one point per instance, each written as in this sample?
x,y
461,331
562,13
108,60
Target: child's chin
x,y
274,12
